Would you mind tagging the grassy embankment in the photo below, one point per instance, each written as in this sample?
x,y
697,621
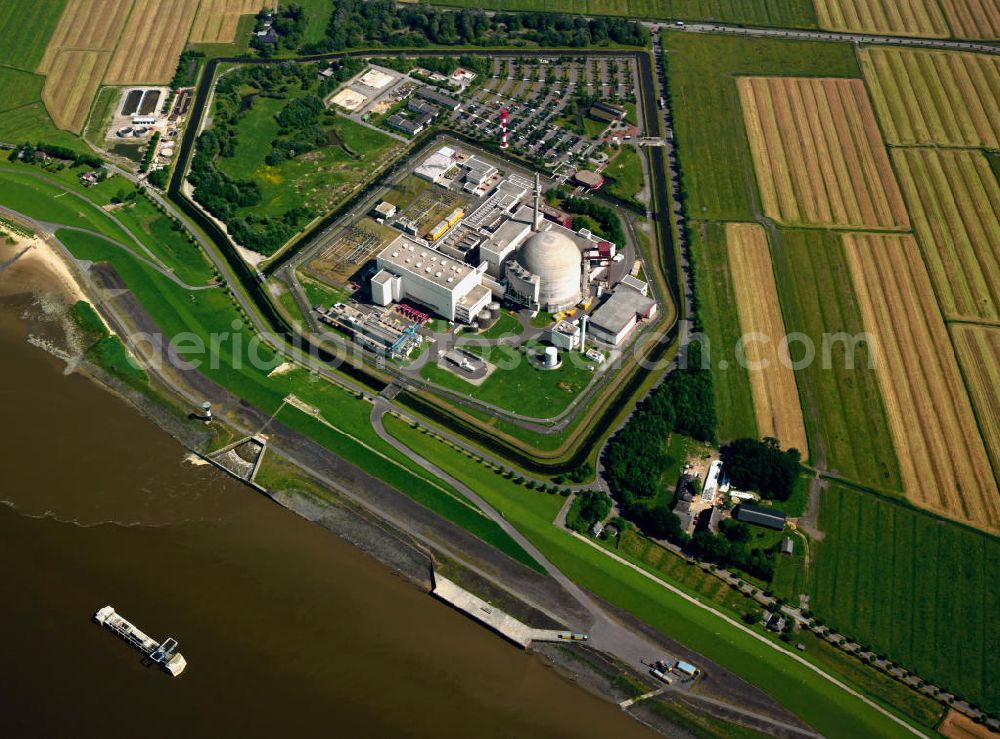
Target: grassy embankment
x,y
827,708
208,312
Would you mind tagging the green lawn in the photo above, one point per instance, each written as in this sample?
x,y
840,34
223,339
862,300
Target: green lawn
x,y
626,169
318,16
733,399
25,28
922,590
318,293
506,325
842,407
717,170
518,385
826,708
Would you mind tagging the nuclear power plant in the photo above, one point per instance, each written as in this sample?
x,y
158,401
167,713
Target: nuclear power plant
x,y
505,246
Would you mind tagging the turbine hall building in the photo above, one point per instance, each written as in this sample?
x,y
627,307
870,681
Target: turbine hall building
x,y
408,270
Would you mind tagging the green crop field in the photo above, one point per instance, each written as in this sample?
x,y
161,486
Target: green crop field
x,y
842,407
784,13
919,589
25,28
32,123
318,14
717,169
733,398
19,88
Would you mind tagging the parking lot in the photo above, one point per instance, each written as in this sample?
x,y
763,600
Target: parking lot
x,y
547,101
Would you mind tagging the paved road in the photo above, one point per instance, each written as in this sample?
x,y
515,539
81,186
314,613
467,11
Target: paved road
x,y
805,35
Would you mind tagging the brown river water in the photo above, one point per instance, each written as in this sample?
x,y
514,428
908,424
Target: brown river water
x,y
285,627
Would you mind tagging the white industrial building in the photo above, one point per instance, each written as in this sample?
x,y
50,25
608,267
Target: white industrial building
x,y
614,320
565,335
408,270
495,251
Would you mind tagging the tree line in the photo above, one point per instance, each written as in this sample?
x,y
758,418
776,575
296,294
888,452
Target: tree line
x,y
360,23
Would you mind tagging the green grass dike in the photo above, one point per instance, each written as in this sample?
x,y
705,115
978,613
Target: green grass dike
x,y
824,706
248,368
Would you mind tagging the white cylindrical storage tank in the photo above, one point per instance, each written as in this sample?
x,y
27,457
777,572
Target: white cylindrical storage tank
x,y
551,356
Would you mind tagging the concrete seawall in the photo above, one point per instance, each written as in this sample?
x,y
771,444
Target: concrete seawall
x,y
492,617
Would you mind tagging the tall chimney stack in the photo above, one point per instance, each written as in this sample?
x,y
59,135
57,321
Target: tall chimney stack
x,y
538,198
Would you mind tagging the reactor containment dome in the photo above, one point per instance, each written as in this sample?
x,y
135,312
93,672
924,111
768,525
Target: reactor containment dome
x,y
547,271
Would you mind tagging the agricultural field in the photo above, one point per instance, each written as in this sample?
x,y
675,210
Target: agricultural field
x,y
954,201
973,19
217,20
903,17
942,457
818,153
840,398
730,380
978,349
935,97
716,164
19,88
151,42
94,25
907,585
25,28
71,84
772,381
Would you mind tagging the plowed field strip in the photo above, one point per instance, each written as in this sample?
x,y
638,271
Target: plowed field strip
x,y
943,460
935,97
772,382
978,350
818,153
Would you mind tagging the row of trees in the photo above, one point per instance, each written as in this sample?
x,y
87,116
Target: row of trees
x,y
762,466
357,23
26,153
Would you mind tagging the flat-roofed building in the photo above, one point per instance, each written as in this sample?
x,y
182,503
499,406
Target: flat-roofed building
x,y
496,250
760,516
433,96
634,283
409,270
478,171
615,319
565,335
435,166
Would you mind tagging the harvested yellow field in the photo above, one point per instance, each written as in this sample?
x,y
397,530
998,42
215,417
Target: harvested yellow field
x,y
935,97
942,458
216,20
71,85
92,25
977,19
902,17
151,42
818,153
954,200
978,349
772,382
